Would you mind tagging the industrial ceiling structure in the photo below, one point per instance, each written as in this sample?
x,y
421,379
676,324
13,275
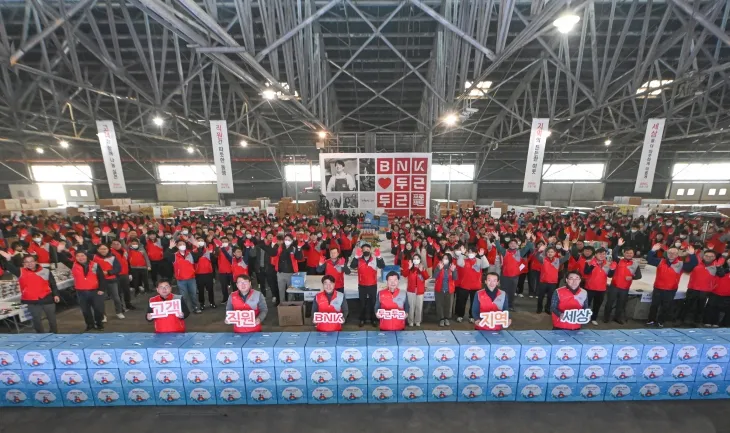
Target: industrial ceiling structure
x,y
461,78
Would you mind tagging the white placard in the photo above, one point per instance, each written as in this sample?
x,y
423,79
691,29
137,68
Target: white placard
x,y
270,210
429,296
163,309
646,297
495,212
221,156
110,154
535,154
649,155
641,211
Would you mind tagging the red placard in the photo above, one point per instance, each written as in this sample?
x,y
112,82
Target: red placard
x,y
419,183
402,166
402,183
384,166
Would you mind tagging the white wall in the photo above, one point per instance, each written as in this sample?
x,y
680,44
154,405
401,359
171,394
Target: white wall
x,y
29,190
182,195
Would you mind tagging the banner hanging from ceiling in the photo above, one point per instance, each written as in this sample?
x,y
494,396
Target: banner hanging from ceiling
x,y
649,155
110,155
221,156
397,183
535,154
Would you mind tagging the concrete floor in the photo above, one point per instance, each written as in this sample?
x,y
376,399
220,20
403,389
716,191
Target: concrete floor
x,y
623,417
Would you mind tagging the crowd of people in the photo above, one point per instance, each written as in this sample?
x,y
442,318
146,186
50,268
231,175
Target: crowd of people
x,y
569,260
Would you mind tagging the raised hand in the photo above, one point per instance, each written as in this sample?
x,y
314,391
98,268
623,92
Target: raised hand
x,y
377,253
621,242
341,261
691,249
481,251
321,260
656,247
358,253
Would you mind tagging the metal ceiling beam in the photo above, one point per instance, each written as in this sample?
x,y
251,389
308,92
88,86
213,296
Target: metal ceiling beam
x,y
702,19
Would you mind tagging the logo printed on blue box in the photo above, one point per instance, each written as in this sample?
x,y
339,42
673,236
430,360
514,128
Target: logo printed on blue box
x,y
623,372
76,396
649,390
443,373
686,353
10,378
322,394
565,353
474,354
712,371
413,354
594,372
351,355
501,391
38,378
531,391
136,377
384,374
381,355
382,393
288,356
678,390
503,372
561,392
45,397
163,357
656,353
166,376
473,373
716,352
6,359
591,391
292,393
255,356
533,373
564,373
653,372
620,391
197,376
413,393
596,353
625,353
505,354
169,395
107,396
352,375
132,357
290,375
683,371
100,358
444,354
320,356
230,395
194,357
472,391
535,354
34,359
138,396
229,356
353,394
15,397
321,376
103,377
201,396
707,389
411,373
442,392
257,375
261,394
68,358
229,376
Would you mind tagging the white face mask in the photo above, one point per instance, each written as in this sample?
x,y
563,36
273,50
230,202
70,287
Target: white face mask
x,y
201,244
416,261
472,255
678,244
287,243
37,240
633,230
168,236
694,232
97,231
248,235
445,262
134,247
276,225
225,244
181,248
402,242
184,232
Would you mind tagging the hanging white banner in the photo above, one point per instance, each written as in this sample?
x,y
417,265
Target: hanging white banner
x,y
533,170
222,156
110,153
649,155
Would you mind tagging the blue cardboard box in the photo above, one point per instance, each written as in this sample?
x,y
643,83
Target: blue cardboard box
x,y
626,350
71,378
352,394
9,355
439,334
710,391
696,332
383,393
321,376
534,350
100,354
164,353
321,352
474,349
503,372
111,396
565,350
352,375
622,373
167,377
231,395
593,373
352,335
503,347
200,396
472,373
711,371
610,333
383,374
443,350
205,336
595,349
38,355
136,377
714,348
666,332
352,352
139,396
130,354
196,353
323,394
534,373
70,354
270,336
581,333
531,392
443,373
292,394
620,392
561,392
654,373
502,391
563,373
686,349
13,379
681,372
633,333
472,391
196,376
46,397
259,376
591,391
80,397
37,379
229,376
258,353
289,352
410,374
442,392
382,351
383,334
225,352
298,279
23,338
285,376
412,392
663,390
657,350
413,351
678,390
104,378
16,397
524,334
170,395
410,335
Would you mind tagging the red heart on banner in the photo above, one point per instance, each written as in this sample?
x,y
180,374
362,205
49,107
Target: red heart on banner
x,y
384,182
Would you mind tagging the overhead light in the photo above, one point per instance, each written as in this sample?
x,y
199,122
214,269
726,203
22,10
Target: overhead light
x,y
190,149
63,143
607,142
451,119
158,121
565,23
244,143
547,134
479,90
268,94
322,134
39,150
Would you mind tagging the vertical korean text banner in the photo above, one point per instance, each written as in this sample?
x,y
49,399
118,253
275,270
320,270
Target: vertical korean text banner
x,y
535,154
221,156
649,155
398,183
110,154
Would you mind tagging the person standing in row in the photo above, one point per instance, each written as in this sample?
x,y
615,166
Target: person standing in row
x,y
512,264
111,267
719,300
225,273
367,282
155,249
170,323
569,297
139,267
247,299
547,274
596,281
336,267
394,303
489,300
445,278
123,279
470,280
285,256
90,284
183,264
624,270
330,300
668,272
702,282
416,276
204,277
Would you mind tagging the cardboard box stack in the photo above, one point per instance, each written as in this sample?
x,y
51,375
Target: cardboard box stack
x,y
141,369
261,203
466,204
10,204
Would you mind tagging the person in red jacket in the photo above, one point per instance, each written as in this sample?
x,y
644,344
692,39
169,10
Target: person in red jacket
x,y
569,297
550,264
702,282
44,252
367,281
173,322
248,299
204,277
313,254
225,273
624,270
668,272
183,264
719,300
596,282
391,304
512,264
111,267
155,249
416,276
330,300
120,253
336,267
90,284
445,277
139,267
489,299
38,291
470,272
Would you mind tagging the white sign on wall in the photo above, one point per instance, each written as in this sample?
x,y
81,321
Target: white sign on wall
x,y
222,156
535,154
649,155
110,154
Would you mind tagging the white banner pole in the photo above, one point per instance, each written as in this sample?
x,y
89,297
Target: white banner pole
x,y
222,156
535,154
649,155
110,154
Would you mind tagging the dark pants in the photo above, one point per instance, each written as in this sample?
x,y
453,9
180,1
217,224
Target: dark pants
x,y
595,300
124,291
694,306
37,311
92,307
157,272
509,285
533,279
545,290
273,284
521,283
226,281
661,305
140,278
205,283
367,296
616,298
716,305
462,295
312,270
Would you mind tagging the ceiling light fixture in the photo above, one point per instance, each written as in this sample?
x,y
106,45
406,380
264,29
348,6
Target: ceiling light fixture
x,y
158,121
322,134
607,142
566,22
244,143
63,144
39,150
451,119
268,94
190,149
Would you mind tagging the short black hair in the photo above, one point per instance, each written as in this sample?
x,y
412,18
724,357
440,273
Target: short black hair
x,y
628,248
329,278
163,280
572,272
392,274
491,273
243,277
340,162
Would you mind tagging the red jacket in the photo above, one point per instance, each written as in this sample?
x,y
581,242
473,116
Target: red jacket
x,y
624,271
122,258
224,265
568,301
486,305
416,280
170,323
471,279
136,259
41,252
438,280
313,255
702,278
106,263
204,264
326,306
34,285
367,271
184,266
723,286
597,280
667,276
154,251
251,303
88,281
511,263
331,270
392,301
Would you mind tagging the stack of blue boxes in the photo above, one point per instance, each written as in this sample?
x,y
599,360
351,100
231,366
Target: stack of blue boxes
x,y
140,369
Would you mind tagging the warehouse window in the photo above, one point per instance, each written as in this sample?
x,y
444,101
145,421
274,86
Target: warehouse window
x,y
572,172
453,172
479,91
723,191
653,84
691,191
712,191
302,173
194,173
701,172
62,173
680,191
